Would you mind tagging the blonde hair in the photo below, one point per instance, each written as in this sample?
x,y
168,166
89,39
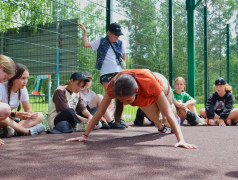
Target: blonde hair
x,y
8,64
179,78
228,88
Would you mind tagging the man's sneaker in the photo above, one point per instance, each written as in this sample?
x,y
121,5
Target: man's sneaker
x,y
164,130
81,127
105,125
6,132
146,122
98,125
37,129
122,122
114,125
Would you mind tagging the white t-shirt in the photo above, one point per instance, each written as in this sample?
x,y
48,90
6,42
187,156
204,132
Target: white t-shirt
x,y
14,100
87,97
109,64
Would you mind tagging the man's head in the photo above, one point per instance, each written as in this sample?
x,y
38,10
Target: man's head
x,y
115,29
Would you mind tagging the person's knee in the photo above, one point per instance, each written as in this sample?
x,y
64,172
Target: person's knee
x,y
5,111
41,117
99,96
202,112
191,106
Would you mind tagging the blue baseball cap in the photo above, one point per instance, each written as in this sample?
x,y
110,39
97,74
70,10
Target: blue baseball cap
x,y
61,127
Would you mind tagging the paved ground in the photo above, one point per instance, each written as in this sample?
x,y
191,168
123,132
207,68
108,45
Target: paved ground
x,y
135,153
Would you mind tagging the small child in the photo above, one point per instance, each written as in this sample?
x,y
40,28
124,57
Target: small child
x,y
185,104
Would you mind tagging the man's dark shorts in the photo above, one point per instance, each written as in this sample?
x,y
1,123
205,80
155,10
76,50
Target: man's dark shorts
x,y
107,77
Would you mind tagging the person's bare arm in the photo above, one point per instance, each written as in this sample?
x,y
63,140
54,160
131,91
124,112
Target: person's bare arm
x,y
165,109
86,44
124,57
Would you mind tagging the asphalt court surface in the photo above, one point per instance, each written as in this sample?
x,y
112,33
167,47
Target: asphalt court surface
x,y
135,153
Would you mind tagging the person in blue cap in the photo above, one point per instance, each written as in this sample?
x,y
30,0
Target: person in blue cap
x,y
220,109
66,105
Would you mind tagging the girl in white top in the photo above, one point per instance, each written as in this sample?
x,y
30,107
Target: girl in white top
x,y
7,70
13,92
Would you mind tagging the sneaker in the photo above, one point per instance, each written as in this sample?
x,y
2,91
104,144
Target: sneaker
x,y
192,118
172,131
164,130
6,132
81,127
98,125
114,125
122,122
105,125
202,122
37,129
146,122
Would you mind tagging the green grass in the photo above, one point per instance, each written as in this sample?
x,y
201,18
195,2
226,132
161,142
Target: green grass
x,y
129,112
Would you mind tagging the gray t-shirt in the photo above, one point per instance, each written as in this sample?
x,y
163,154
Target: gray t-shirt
x,y
87,97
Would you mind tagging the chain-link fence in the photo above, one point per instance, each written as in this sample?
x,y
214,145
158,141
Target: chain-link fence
x,y
44,35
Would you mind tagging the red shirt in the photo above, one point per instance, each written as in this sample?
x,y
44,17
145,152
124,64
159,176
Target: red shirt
x,y
149,86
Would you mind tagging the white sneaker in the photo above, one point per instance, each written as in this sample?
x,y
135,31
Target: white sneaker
x,y
81,127
146,121
6,132
202,122
98,126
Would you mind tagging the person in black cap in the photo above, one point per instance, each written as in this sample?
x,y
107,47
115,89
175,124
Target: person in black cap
x,y
107,61
219,109
66,105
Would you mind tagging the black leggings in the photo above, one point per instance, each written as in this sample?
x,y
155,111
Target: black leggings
x,y
67,115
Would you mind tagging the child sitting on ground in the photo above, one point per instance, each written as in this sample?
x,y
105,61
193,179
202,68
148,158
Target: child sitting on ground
x,y
185,104
14,93
92,102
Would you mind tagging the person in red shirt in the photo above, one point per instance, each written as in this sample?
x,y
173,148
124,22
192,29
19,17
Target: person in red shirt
x,y
139,87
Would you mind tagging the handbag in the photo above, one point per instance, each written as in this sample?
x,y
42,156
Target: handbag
x,y
122,62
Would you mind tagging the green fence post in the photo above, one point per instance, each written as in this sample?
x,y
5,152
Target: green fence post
x,y
171,44
57,53
206,86
190,6
228,53
108,13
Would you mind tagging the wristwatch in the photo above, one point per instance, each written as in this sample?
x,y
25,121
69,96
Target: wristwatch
x,y
13,114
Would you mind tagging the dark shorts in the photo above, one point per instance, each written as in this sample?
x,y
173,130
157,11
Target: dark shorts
x,y
67,115
91,110
107,77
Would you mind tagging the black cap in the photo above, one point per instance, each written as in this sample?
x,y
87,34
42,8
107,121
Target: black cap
x,y
220,81
61,127
115,29
79,76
